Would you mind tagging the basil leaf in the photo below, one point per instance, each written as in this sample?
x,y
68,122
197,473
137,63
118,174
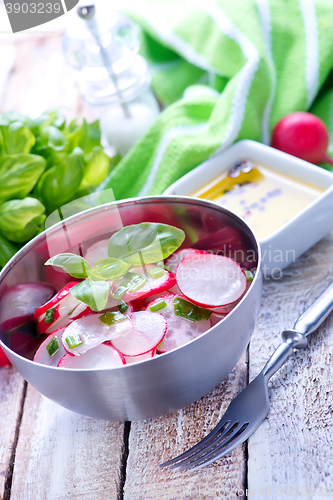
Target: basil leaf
x,y
21,220
73,264
108,269
12,116
147,242
17,138
190,311
97,168
51,137
19,174
93,293
85,136
58,184
44,120
7,251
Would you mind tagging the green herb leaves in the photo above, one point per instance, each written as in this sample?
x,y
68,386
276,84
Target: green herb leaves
x,y
145,243
73,264
93,293
137,245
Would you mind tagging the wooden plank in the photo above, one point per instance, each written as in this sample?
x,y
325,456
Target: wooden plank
x,y
291,453
154,441
62,455
11,400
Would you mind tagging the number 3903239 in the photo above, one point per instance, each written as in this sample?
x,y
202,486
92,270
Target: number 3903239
x,y
33,8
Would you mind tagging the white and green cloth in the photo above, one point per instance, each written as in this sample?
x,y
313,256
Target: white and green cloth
x,y
263,58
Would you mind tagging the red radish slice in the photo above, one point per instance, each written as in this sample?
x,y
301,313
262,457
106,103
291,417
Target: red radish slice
x,y
97,251
55,300
18,304
92,331
175,258
180,330
101,357
80,311
143,357
53,342
153,285
60,315
210,280
149,330
216,318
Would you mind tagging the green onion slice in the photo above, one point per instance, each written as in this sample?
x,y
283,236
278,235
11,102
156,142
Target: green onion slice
x,y
158,306
110,317
74,341
53,346
156,272
190,311
123,307
249,275
49,315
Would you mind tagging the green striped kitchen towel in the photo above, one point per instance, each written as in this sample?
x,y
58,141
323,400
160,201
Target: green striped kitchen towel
x,y
244,63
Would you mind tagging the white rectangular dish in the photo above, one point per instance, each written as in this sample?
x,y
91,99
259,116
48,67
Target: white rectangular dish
x,y
301,231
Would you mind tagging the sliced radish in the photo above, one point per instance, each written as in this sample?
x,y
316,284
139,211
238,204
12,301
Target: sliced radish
x,y
55,300
216,318
148,331
210,280
101,357
180,330
57,316
90,331
141,357
97,251
175,258
80,311
162,282
19,302
51,350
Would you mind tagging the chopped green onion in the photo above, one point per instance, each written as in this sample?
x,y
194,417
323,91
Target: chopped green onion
x,y
109,318
53,346
161,265
158,306
190,311
49,315
156,272
120,290
136,282
249,275
74,341
123,307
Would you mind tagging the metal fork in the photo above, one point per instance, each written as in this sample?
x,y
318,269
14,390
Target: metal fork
x,y
248,410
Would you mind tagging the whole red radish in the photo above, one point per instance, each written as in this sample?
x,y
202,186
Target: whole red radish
x,y
303,135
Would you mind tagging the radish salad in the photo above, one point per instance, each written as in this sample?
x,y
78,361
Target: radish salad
x,y
134,296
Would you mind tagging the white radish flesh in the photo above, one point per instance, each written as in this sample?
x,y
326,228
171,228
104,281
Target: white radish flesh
x,y
148,331
101,357
210,280
43,356
92,331
175,258
143,357
97,251
180,330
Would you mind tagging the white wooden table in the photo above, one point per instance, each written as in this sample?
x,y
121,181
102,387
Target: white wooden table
x,y
50,453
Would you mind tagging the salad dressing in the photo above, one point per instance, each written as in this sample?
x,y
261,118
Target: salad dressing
x,y
265,198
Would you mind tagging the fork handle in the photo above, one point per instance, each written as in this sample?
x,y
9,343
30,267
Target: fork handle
x,y
307,323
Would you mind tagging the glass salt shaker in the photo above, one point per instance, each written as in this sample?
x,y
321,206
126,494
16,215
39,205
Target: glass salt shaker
x,y
112,76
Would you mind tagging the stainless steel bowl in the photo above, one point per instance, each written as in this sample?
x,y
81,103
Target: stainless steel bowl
x,y
169,381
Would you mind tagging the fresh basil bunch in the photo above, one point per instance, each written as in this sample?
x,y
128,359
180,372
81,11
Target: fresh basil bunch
x,y
44,164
